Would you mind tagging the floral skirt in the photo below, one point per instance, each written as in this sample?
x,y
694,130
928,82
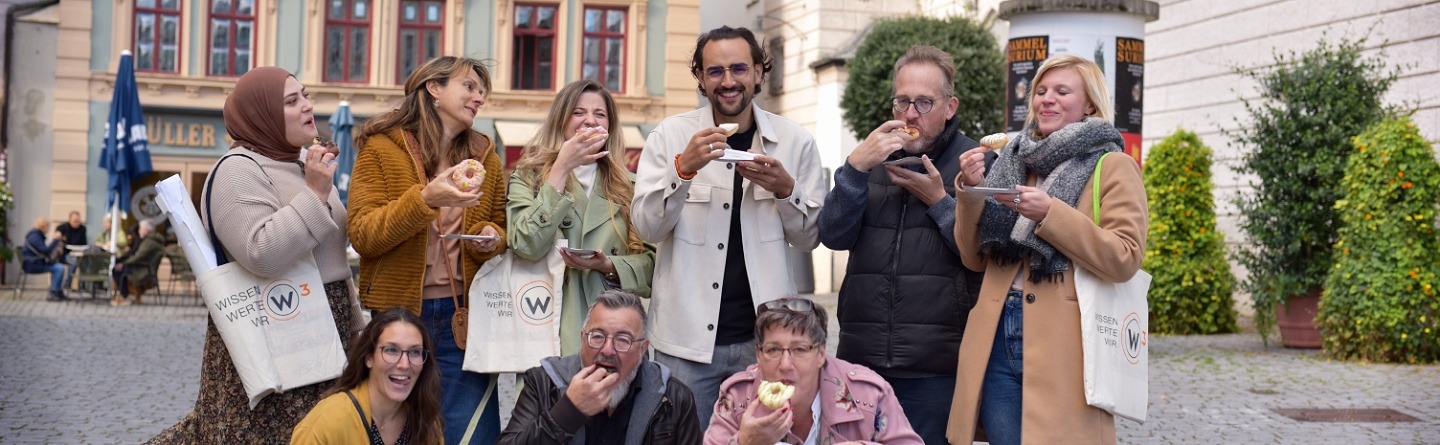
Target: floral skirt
x,y
222,412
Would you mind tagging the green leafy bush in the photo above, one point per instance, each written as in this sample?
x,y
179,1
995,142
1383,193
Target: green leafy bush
x,y
979,72
1295,142
1379,301
1191,290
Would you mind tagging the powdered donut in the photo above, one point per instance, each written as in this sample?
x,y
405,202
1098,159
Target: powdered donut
x,y
995,141
600,132
468,176
774,394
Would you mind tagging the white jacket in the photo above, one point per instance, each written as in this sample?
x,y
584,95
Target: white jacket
x,y
689,222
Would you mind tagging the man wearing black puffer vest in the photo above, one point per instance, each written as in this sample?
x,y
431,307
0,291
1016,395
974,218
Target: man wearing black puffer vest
x,y
906,296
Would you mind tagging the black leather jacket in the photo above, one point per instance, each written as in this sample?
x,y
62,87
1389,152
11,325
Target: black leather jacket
x,y
663,411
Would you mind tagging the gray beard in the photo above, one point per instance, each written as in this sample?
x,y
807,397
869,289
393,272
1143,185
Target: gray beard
x,y
618,394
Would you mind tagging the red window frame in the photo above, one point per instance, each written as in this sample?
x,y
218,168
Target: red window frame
x,y
159,11
232,20
604,36
420,26
526,70
347,24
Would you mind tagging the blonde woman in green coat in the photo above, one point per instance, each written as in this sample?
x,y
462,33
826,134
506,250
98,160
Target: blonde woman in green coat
x,y
570,180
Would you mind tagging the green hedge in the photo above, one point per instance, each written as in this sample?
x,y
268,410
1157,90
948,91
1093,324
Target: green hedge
x,y
979,72
1295,141
1379,302
1191,290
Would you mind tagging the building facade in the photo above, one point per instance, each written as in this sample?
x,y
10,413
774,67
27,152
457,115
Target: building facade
x,y
188,54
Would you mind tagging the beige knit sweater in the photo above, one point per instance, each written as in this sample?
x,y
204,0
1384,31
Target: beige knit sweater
x,y
266,217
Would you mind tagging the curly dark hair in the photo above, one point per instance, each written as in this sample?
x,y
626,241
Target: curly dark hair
x,y
763,63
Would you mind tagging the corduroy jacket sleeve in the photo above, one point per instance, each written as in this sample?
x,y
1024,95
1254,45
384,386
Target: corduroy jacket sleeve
x,y
385,205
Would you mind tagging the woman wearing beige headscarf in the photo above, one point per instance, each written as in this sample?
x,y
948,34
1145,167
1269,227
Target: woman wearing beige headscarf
x,y
268,209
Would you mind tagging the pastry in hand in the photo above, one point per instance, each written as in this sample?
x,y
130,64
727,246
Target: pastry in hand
x,y
912,131
730,129
995,141
468,177
774,394
600,132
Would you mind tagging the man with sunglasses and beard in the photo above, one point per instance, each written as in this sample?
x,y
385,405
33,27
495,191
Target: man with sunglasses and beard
x,y
905,299
608,393
722,191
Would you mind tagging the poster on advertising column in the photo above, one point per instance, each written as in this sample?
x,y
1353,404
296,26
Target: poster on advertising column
x,y
1122,59
1023,55
1129,89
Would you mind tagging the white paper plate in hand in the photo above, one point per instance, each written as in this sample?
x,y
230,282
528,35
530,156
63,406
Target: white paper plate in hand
x,y
733,155
990,191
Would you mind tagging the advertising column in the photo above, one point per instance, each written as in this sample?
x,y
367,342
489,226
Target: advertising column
x,y
1110,33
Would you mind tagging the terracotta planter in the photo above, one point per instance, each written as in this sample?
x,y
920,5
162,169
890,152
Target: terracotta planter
x,y
1296,320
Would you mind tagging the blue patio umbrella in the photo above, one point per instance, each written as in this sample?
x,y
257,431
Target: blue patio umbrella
x,y
340,128
126,156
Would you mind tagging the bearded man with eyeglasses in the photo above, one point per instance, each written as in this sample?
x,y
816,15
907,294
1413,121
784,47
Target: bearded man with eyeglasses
x,y
722,206
905,298
608,393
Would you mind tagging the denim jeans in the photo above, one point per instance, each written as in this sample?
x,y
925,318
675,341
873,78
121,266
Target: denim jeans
x,y
926,401
1002,390
704,379
460,391
57,276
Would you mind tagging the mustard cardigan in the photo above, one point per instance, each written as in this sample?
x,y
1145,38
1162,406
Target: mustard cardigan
x,y
389,219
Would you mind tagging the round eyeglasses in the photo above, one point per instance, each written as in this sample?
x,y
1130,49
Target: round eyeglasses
x,y
922,105
623,342
392,355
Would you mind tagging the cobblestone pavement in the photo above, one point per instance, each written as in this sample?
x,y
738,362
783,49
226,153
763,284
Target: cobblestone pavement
x,y
86,373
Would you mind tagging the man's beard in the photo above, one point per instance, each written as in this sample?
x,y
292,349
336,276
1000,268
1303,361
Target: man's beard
x,y
618,394
715,101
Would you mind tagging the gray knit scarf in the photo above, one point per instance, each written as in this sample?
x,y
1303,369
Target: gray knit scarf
x,y
1064,162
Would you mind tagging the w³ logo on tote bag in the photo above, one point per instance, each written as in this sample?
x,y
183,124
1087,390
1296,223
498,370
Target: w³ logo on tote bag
x,y
1135,338
282,299
536,301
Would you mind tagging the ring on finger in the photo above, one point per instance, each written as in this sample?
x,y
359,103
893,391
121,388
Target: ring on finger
x,y
712,146
1016,200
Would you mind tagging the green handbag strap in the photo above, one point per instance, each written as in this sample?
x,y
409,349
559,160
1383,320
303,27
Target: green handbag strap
x,y
1095,188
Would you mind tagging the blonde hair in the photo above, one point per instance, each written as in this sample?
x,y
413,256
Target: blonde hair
x,y
42,223
539,155
1090,74
417,114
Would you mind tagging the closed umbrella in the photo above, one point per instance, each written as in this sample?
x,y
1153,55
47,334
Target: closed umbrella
x,y
340,128
126,156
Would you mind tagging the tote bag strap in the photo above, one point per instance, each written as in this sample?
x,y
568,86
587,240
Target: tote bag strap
x,y
1095,188
220,259
364,420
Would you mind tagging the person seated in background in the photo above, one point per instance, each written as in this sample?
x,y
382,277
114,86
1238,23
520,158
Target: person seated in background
x,y
122,243
38,256
386,395
72,233
830,400
608,393
134,272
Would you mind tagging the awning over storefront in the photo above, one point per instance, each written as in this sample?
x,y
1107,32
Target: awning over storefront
x,y
516,134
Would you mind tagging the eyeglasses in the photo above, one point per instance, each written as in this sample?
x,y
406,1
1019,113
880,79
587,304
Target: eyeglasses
x,y
773,352
791,304
623,342
392,355
922,105
739,71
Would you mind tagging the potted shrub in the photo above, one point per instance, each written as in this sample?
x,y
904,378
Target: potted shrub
x,y
1190,291
1295,143
1380,299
